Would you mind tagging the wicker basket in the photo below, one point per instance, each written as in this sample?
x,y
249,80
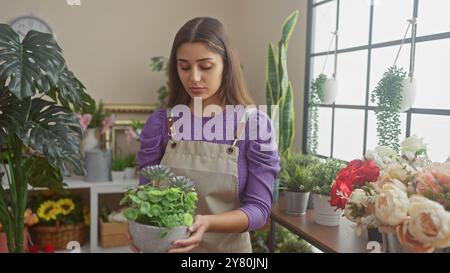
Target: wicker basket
x,y
58,236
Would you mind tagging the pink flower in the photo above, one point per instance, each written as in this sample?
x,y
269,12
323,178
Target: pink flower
x,y
131,135
84,120
107,123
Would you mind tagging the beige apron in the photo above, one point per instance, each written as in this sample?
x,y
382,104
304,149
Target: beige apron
x,y
213,168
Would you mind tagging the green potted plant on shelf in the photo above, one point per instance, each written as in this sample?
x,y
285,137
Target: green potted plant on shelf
x,y
323,174
39,133
160,212
279,91
118,169
130,166
295,179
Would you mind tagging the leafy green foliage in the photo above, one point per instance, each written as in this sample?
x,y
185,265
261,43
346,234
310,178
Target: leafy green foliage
x,y
118,164
279,89
157,174
323,175
296,172
158,64
388,97
168,207
315,97
287,242
130,161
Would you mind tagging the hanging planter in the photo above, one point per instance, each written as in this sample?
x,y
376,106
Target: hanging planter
x,y
330,88
408,94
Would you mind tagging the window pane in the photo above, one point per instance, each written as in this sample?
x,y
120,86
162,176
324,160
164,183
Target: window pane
x,y
323,25
431,74
321,64
390,19
351,75
324,139
372,136
353,23
435,131
433,17
382,59
348,134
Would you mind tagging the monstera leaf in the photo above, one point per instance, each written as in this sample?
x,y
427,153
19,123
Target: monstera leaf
x,y
13,114
34,64
70,93
53,131
41,174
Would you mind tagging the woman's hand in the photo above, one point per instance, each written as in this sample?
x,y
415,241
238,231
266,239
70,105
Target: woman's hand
x,y
198,228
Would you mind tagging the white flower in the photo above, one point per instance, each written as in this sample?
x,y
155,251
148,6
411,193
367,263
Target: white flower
x,y
429,222
382,155
358,197
391,205
412,146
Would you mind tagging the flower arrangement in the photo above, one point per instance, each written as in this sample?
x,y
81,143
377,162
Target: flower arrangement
x,y
134,130
406,195
96,117
29,219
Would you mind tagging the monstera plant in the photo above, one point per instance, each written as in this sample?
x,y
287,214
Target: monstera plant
x,y
39,133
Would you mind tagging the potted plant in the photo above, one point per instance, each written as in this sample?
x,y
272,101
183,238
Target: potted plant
x,y
279,92
130,166
323,175
388,96
118,169
296,182
161,211
39,133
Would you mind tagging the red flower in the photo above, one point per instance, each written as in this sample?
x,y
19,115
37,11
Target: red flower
x,y
34,249
370,171
340,191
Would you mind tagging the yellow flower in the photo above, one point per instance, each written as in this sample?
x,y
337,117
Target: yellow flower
x,y
48,210
30,218
86,216
65,205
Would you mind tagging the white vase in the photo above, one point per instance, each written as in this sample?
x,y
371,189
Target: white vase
x,y
324,213
118,176
130,173
408,94
90,140
330,88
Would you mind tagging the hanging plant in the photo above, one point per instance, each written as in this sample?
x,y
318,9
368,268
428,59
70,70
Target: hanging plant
x,y
313,123
388,97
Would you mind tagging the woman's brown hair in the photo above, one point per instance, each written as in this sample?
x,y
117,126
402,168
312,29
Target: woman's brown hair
x,y
210,31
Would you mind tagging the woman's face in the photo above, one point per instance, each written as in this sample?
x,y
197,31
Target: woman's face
x,y
200,70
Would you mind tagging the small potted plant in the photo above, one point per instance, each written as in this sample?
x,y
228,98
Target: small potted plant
x,y
118,169
130,166
160,212
323,175
326,88
296,181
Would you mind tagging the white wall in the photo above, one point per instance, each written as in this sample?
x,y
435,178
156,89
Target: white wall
x,y
108,43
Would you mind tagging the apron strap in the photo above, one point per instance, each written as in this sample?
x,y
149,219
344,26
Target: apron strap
x,y
170,129
241,128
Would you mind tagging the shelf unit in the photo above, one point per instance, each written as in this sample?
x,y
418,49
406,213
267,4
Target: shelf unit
x,y
95,189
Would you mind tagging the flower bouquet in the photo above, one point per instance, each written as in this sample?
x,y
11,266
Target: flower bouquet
x,y
409,199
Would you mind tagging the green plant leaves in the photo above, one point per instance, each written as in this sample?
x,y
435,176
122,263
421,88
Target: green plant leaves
x,y
43,175
36,63
54,132
13,113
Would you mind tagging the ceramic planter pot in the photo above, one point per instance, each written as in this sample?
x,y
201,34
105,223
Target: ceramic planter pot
x,y
324,213
148,238
118,176
330,89
409,94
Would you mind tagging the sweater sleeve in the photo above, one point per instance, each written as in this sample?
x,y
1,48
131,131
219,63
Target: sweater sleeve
x,y
153,141
263,165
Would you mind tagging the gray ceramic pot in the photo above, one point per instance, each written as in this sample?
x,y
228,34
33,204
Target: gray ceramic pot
x,y
148,238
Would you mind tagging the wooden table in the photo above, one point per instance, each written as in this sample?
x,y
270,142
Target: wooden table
x,y
341,238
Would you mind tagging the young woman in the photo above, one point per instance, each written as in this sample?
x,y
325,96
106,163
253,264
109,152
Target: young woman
x,y
234,176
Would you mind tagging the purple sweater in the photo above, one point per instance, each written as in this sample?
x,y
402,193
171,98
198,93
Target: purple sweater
x,y
257,166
